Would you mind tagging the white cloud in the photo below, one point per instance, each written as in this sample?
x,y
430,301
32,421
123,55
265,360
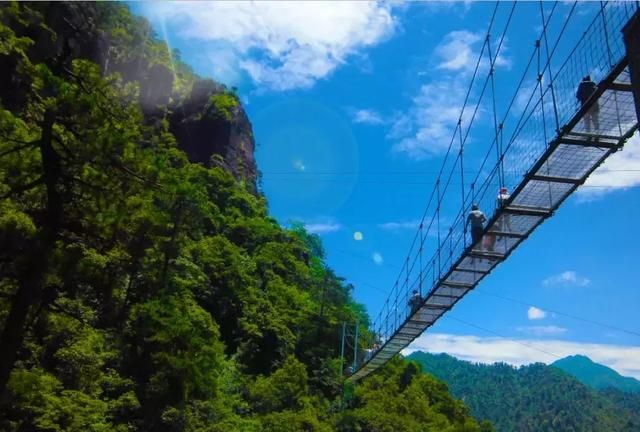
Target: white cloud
x,y
533,313
398,226
524,98
322,228
402,125
566,278
456,51
377,258
620,171
275,42
366,116
439,6
624,359
427,128
459,50
223,64
549,330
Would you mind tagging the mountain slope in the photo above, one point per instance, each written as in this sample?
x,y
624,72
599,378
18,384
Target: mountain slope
x,y
630,401
596,375
143,285
530,398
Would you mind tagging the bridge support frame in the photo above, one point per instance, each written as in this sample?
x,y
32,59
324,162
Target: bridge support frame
x,y
631,34
565,163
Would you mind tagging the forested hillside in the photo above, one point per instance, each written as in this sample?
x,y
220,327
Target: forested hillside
x,y
143,286
532,398
630,401
596,375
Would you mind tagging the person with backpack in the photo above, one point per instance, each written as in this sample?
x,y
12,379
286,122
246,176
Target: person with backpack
x,y
414,301
476,219
586,89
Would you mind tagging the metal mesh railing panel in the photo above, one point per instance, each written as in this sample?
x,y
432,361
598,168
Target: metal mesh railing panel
x,y
571,161
624,77
450,291
500,244
469,263
463,277
612,115
542,194
518,224
439,301
549,114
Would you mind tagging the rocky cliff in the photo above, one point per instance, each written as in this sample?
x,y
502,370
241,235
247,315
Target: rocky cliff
x,y
212,128
206,118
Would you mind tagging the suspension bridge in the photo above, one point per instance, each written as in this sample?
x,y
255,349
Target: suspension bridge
x,y
549,152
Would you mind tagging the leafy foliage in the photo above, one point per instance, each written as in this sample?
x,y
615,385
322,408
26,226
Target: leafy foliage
x,y
529,398
139,291
223,105
401,398
596,375
630,401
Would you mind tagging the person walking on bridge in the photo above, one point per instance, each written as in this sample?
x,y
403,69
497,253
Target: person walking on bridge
x,y
414,301
585,90
477,219
504,221
501,201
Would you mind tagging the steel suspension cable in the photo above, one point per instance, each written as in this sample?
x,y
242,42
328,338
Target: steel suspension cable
x,y
555,311
533,55
492,20
459,130
527,303
492,65
544,120
520,123
463,140
503,337
498,137
524,115
486,82
495,114
546,44
466,99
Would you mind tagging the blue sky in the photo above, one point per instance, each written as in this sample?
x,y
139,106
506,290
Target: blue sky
x,y
353,106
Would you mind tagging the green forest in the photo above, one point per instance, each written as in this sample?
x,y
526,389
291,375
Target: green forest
x,y
533,398
143,285
596,375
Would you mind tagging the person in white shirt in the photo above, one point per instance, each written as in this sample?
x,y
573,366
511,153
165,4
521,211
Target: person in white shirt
x,y
476,219
501,201
415,301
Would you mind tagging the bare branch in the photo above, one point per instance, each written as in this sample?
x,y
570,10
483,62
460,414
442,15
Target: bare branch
x,y
19,148
23,188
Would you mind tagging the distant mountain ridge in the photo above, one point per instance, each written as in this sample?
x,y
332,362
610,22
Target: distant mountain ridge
x,y
596,375
533,398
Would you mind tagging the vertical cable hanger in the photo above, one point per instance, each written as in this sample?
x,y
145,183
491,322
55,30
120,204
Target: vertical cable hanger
x,y
546,45
495,113
420,263
544,121
610,58
462,210
438,226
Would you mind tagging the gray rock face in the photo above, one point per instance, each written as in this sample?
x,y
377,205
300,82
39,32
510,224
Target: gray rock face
x,y
214,138
209,124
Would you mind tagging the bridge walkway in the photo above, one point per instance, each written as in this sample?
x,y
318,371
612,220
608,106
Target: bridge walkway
x,y
578,148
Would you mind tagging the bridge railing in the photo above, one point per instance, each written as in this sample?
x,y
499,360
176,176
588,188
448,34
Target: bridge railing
x,y
597,51
546,106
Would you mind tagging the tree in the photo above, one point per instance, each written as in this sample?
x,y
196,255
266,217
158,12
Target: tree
x,y
142,291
